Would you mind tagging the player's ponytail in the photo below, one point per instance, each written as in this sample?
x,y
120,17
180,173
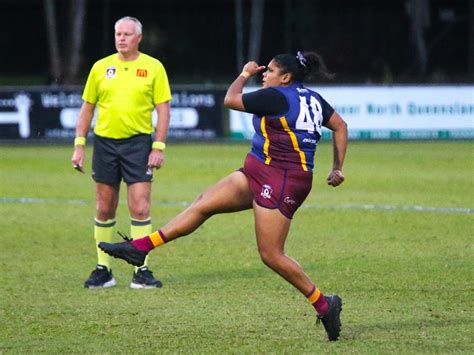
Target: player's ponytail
x,y
303,65
315,66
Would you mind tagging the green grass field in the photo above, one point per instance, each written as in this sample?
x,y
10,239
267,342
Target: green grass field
x,y
395,241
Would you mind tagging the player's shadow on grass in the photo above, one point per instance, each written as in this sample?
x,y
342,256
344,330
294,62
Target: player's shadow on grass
x,y
398,329
232,273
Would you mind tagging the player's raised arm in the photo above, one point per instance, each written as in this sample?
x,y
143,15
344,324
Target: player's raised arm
x,y
233,97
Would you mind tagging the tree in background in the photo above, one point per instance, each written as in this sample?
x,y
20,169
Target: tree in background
x,y
471,39
65,52
418,10
255,33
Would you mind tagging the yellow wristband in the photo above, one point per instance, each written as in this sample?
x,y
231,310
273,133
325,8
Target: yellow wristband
x,y
80,141
158,145
245,74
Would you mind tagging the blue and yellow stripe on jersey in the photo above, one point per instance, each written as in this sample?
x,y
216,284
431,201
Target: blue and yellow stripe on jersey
x,y
289,140
294,142
268,158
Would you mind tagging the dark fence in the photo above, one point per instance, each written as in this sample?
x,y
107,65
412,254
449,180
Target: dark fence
x,y
46,113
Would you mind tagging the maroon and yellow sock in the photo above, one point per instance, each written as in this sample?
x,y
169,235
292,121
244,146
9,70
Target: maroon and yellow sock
x,y
139,228
317,299
150,241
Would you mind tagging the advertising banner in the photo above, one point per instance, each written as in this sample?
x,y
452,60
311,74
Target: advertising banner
x,y
399,112
52,113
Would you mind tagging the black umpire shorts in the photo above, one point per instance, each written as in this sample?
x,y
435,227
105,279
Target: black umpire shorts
x,y
114,160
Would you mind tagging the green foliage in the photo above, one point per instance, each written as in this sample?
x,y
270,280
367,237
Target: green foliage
x,y
405,275
19,80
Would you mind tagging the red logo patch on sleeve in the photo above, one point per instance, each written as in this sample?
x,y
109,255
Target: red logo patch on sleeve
x,y
142,73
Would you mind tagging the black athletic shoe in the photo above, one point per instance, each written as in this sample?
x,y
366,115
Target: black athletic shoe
x,y
101,277
143,278
124,250
331,320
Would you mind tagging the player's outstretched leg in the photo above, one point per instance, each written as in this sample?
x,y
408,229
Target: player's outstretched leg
x,y
331,320
231,194
125,250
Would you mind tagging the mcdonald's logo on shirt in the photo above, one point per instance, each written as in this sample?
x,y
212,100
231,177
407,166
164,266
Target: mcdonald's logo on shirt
x,y
142,73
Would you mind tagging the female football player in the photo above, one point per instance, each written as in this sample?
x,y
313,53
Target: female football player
x,y
276,175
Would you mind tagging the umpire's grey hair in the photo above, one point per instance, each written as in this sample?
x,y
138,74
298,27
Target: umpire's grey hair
x,y
138,24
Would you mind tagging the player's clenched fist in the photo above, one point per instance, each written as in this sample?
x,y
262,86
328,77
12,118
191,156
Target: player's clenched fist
x,y
335,178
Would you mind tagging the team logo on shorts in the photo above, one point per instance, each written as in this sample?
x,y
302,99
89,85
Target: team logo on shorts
x,y
266,191
110,73
289,200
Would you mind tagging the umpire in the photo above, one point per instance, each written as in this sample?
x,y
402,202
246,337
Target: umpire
x,y
126,87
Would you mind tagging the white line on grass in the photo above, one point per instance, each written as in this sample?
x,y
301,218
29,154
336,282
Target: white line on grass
x,y
46,201
397,208
410,208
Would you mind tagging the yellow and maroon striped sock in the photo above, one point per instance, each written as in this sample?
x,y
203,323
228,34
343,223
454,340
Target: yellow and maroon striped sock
x,y
317,299
150,241
158,238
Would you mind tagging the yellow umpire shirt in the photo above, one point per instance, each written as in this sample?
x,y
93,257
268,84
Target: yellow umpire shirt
x,y
126,94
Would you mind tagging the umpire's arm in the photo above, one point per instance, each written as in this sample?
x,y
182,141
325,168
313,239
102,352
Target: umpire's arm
x,y
156,158
82,128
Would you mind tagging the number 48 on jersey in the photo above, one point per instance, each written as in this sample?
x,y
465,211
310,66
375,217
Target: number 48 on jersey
x,y
310,117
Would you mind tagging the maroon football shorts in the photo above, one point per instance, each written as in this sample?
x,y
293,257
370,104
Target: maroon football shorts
x,y
285,189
